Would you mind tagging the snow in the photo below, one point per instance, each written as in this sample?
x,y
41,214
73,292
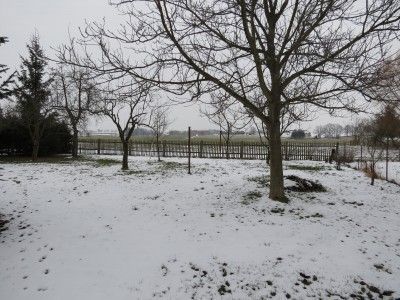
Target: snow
x,y
393,170
84,230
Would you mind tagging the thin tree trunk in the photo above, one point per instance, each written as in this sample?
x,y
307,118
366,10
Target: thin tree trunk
x,y
35,143
227,147
158,147
35,149
125,148
276,191
373,173
75,143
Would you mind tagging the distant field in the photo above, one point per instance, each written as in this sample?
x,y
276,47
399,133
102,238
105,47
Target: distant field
x,y
215,138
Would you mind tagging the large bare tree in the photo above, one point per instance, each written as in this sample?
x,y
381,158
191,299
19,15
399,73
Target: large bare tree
x,y
73,91
286,53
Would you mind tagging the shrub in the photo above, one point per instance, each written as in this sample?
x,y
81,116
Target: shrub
x,y
15,139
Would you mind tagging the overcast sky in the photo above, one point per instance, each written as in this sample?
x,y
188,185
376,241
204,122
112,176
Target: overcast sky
x,y
52,19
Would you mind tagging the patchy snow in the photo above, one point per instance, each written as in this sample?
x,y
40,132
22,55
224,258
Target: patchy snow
x,y
90,231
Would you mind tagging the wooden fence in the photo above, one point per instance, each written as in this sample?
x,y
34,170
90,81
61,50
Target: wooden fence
x,y
291,150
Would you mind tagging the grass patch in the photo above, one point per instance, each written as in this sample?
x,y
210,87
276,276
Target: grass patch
x,y
308,168
58,159
105,162
164,166
251,197
262,181
304,185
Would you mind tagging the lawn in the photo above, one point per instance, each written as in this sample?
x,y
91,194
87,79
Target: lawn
x,y
87,230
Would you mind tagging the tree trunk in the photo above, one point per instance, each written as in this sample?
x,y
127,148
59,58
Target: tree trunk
x,y
75,143
158,147
276,191
227,148
125,148
35,143
373,173
35,149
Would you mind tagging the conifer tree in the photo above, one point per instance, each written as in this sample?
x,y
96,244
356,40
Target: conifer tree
x,y
33,93
5,90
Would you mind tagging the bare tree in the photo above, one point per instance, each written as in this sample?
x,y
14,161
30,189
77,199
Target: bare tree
x,y
369,137
332,130
271,56
319,131
73,91
225,112
159,123
127,103
348,130
386,81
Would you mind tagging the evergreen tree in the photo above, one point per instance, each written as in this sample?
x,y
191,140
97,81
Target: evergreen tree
x,y
33,94
5,91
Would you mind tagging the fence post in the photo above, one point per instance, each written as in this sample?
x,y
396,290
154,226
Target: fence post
x,y
220,144
201,149
164,145
286,152
189,150
387,159
98,146
337,151
241,150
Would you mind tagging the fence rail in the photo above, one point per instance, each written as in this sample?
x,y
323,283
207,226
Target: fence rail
x,y
206,149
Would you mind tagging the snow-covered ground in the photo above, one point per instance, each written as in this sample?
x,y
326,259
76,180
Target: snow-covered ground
x,y
393,170
90,231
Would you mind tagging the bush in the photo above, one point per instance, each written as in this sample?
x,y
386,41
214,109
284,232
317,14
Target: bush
x,y
298,134
15,139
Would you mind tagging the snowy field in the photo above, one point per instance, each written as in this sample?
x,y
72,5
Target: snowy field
x,y
86,230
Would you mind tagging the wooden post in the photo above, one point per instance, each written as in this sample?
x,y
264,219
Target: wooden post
x,y
220,144
337,156
387,159
158,147
286,151
98,146
189,151
201,149
241,150
164,146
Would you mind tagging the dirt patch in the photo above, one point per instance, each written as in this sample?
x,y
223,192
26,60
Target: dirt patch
x,y
304,185
308,168
251,197
3,223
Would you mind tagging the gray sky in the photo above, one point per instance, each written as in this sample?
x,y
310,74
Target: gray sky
x,y
53,18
